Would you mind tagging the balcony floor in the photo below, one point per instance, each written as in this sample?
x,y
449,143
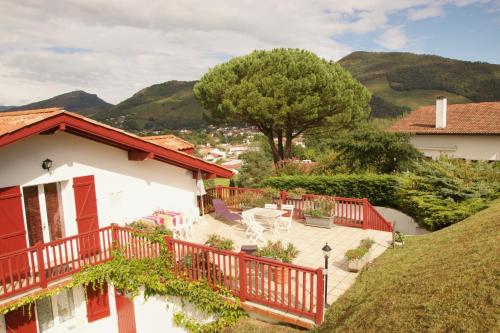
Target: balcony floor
x,y
309,240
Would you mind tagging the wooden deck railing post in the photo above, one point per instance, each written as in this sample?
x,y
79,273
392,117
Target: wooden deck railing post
x,y
283,196
365,213
41,265
114,237
243,276
320,296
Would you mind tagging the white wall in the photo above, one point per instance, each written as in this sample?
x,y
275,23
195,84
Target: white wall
x,y
154,314
471,147
125,190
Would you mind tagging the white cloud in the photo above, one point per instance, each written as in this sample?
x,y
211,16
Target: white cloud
x,y
116,47
393,38
425,12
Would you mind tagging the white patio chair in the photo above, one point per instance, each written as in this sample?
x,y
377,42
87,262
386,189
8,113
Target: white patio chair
x,y
271,206
177,227
186,226
285,222
254,230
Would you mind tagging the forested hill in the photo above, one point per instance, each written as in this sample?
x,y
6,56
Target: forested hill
x,y
75,101
404,81
168,105
399,82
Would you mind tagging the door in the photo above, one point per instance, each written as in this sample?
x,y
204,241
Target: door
x,y
86,215
126,313
20,321
43,211
12,233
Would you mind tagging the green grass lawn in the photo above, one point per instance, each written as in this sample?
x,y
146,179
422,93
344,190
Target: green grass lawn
x,y
447,281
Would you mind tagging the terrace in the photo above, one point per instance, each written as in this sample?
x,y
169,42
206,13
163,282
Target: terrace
x,y
297,290
309,240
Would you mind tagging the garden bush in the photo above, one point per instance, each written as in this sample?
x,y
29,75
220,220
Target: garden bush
x,y
379,189
437,194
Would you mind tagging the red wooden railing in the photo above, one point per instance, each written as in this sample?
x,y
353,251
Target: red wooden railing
x,y
295,289
38,265
350,212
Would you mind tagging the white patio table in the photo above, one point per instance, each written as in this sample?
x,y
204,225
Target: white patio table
x,y
267,215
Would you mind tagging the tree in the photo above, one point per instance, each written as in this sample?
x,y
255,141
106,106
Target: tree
x,y
369,148
283,93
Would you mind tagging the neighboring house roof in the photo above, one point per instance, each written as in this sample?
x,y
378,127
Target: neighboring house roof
x,y
234,164
472,118
170,141
18,125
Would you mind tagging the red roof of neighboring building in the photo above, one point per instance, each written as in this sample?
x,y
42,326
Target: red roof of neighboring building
x,y
472,118
18,125
170,141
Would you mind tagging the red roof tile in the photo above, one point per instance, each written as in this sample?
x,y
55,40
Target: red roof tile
x,y
170,141
17,125
473,118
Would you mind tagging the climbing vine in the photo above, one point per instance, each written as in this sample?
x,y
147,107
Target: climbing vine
x,y
157,277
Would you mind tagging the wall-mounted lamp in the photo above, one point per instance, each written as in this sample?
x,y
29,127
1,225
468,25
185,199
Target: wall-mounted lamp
x,y
47,164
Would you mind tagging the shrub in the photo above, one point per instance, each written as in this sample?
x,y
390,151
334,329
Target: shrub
x,y
379,189
278,251
356,253
219,242
321,207
361,250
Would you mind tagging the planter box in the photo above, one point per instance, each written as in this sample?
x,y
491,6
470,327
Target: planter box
x,y
356,265
322,222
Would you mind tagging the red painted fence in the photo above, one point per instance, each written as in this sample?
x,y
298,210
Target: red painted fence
x,y
291,288
295,289
350,212
41,264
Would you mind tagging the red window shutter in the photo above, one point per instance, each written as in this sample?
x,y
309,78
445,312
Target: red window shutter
x,y
20,321
85,203
97,303
125,312
12,231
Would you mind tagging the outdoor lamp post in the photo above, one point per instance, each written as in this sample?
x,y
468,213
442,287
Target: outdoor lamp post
x,y
326,252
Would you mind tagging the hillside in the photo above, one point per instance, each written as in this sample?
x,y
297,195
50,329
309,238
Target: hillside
x,y
5,107
406,81
76,101
446,281
168,105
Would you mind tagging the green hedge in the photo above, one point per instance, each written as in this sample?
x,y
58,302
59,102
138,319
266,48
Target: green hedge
x,y
381,190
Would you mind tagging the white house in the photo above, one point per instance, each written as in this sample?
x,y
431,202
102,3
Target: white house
x,y
467,131
61,175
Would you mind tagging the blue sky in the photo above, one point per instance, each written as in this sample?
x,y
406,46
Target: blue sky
x,y
469,33
114,48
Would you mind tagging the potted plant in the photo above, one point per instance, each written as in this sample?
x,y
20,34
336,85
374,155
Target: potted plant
x,y
279,252
358,257
399,238
319,213
269,194
251,199
219,242
296,193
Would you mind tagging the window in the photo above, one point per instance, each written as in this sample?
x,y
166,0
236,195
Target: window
x,y
52,311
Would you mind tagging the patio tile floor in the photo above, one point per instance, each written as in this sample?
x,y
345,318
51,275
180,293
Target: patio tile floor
x,y
309,240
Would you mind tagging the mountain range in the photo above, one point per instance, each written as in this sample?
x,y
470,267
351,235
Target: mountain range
x,y
399,82
76,101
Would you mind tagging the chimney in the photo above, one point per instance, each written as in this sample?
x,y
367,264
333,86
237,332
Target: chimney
x,y
441,106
